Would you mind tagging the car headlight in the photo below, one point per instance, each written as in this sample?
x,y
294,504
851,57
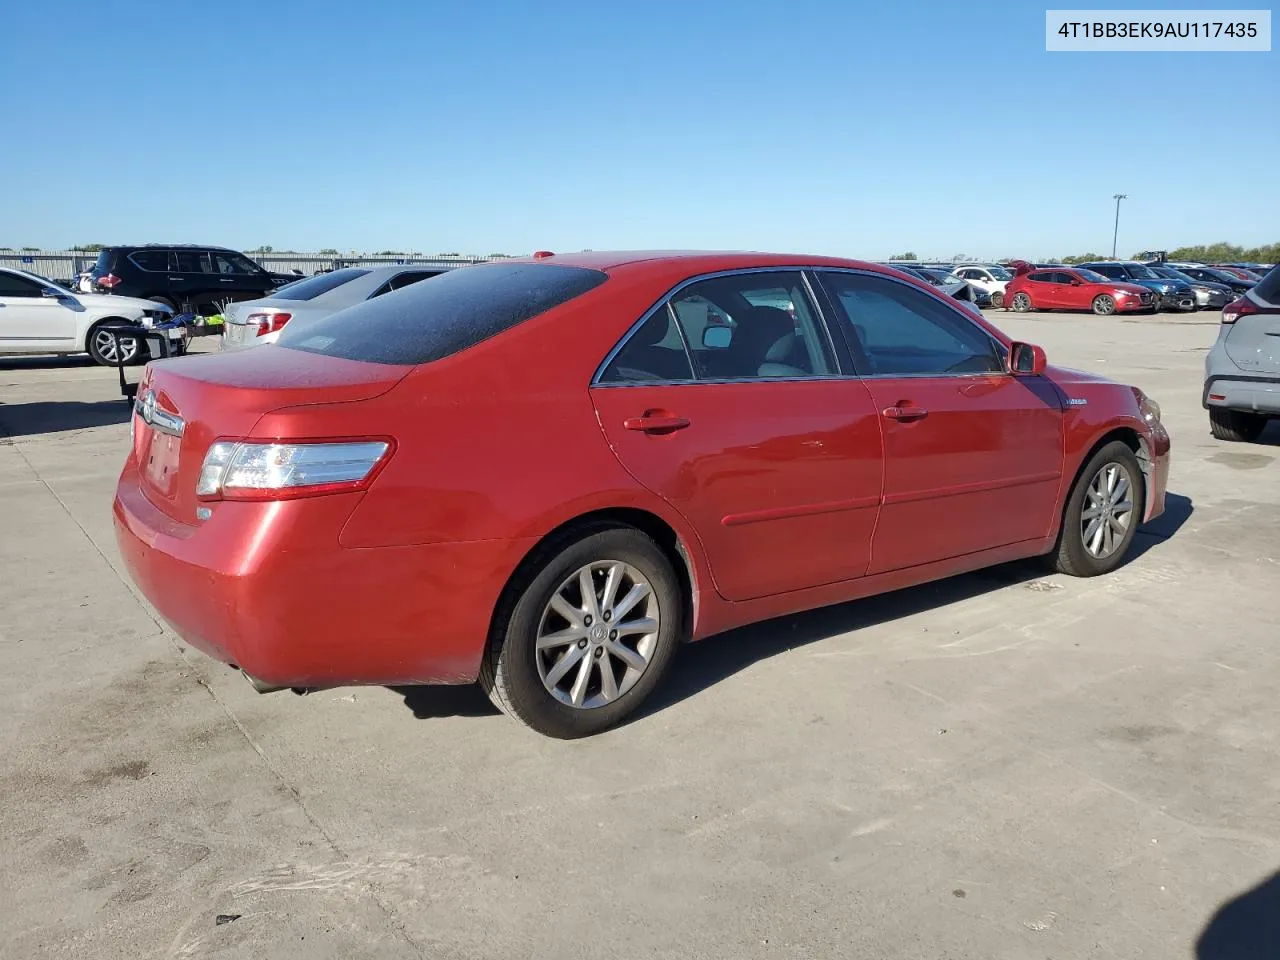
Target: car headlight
x,y
1147,408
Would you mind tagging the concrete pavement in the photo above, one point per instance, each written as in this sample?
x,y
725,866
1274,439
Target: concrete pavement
x,y
1005,765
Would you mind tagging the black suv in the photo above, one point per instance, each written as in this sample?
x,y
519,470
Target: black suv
x,y
189,278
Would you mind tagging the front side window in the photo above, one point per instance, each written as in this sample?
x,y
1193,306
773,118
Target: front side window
x,y
12,285
236,264
1141,273
1109,270
1091,276
899,330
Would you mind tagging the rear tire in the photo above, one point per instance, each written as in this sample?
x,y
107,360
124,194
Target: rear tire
x,y
997,300
1021,302
1235,425
1104,305
536,678
1080,551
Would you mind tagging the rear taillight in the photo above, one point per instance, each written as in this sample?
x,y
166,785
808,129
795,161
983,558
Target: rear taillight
x,y
268,322
1242,307
275,471
108,281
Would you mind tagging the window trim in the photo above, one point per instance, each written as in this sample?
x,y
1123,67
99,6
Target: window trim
x,y
1000,349
839,359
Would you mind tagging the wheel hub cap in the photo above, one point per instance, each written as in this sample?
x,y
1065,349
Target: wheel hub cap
x,y
597,634
1108,511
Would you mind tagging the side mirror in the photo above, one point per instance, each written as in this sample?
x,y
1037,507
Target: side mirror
x,y
1074,282
52,293
1026,360
717,337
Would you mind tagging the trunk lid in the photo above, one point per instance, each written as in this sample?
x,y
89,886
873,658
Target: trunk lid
x,y
1253,343
187,403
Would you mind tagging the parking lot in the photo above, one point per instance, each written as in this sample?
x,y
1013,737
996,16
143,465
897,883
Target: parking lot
x,y
1005,765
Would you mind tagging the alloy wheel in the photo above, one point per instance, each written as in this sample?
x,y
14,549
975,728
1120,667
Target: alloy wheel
x,y
1021,302
1108,511
105,344
597,634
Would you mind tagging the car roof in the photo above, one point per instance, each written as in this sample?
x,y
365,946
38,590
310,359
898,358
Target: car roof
x,y
168,246
679,264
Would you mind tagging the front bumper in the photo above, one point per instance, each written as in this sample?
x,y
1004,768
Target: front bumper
x,y
267,587
1244,393
1133,303
1211,299
1185,300
1155,469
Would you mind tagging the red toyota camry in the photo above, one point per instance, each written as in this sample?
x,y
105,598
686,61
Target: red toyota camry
x,y
544,474
1075,288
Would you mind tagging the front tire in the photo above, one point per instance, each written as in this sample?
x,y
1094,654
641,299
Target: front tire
x,y
1102,514
1236,425
585,632
1021,302
1104,305
101,347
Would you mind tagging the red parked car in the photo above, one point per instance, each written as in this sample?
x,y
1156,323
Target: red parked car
x,y
1074,288
545,474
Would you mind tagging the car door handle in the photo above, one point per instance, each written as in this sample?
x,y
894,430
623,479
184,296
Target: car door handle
x,y
655,422
905,412
175,278
228,280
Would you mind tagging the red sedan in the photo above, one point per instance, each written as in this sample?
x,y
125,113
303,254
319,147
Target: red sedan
x,y
1074,288
545,474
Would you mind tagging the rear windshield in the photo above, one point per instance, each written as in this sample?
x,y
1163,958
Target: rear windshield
x,y
1268,287
456,310
312,287
104,262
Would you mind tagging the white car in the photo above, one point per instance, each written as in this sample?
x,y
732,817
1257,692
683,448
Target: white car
x,y
39,316
989,277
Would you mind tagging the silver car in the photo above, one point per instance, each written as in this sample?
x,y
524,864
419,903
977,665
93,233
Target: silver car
x,y
1242,370
253,323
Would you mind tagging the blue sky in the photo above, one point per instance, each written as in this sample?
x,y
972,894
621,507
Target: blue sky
x,y
842,128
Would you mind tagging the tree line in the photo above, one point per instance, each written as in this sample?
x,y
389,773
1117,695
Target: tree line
x,y
1221,252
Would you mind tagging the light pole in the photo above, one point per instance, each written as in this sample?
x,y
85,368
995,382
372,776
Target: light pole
x,y
1116,234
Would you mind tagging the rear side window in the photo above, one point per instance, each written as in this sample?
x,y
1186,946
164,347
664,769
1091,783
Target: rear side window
x,y
1268,287
192,261
1041,277
313,287
457,310
155,261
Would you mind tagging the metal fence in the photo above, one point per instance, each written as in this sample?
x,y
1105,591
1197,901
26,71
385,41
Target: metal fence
x,y
63,265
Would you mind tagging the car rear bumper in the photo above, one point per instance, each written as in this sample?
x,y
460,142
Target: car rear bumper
x,y
267,587
1251,394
